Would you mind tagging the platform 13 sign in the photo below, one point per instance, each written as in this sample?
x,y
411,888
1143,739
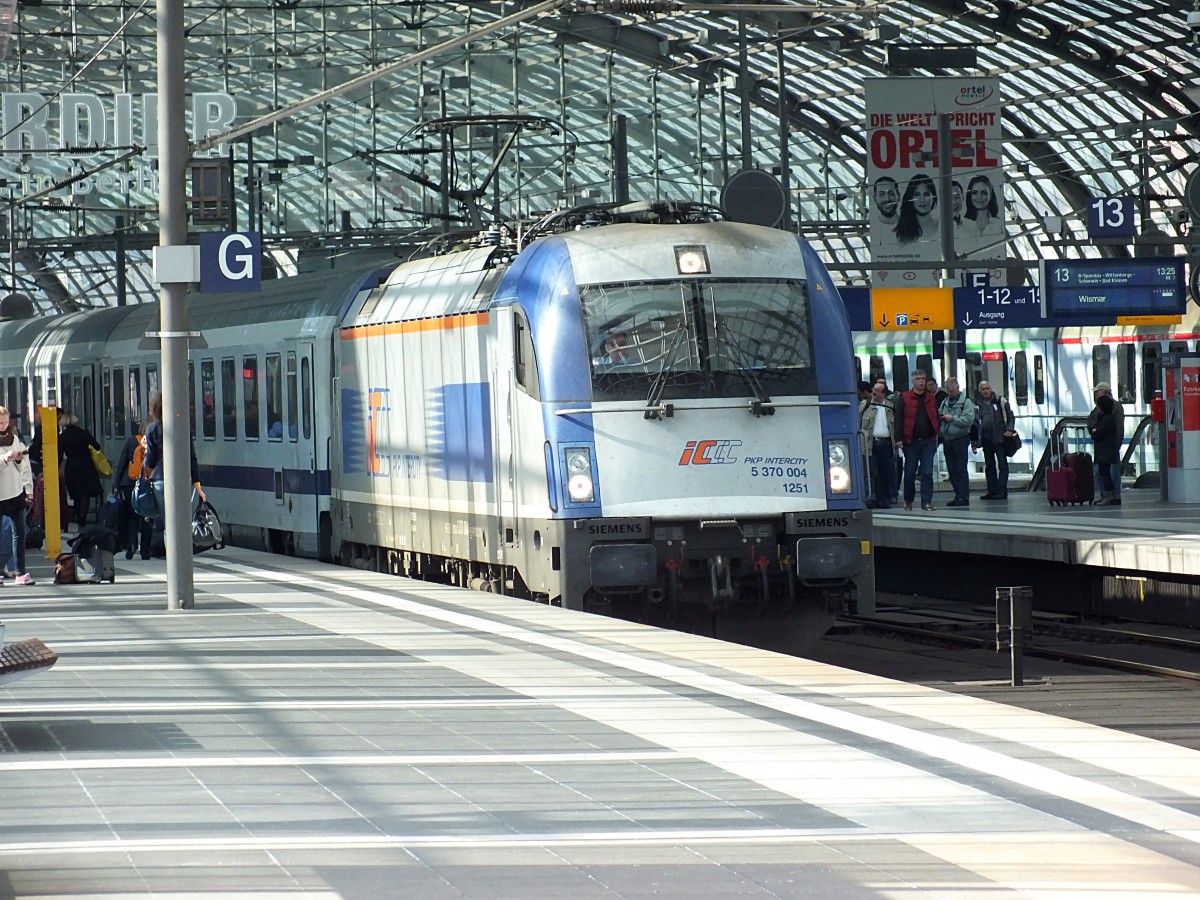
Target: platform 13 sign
x,y
1111,217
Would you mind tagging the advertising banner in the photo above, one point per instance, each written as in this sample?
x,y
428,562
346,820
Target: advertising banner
x,y
906,210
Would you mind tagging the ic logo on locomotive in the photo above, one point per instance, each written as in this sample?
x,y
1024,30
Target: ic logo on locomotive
x,y
708,453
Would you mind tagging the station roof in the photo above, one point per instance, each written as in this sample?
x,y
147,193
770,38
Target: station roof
x,y
1101,99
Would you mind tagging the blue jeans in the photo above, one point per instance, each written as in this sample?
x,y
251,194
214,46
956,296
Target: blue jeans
x,y
956,463
882,469
919,454
995,466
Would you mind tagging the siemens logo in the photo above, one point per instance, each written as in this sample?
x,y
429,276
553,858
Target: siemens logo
x,y
637,529
824,522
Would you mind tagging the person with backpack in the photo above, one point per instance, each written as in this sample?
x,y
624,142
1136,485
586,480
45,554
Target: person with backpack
x,y
127,470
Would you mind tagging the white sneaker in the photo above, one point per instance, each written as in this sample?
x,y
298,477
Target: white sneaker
x,y
25,579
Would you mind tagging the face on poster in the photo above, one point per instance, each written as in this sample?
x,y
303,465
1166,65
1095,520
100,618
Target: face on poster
x,y
906,210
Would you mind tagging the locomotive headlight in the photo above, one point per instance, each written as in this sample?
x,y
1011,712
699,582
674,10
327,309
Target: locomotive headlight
x,y
691,259
578,462
839,466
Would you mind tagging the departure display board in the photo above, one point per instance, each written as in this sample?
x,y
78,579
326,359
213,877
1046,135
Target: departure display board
x,y
1090,291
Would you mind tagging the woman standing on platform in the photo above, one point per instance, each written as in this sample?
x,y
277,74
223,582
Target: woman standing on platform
x,y
75,443
16,489
153,437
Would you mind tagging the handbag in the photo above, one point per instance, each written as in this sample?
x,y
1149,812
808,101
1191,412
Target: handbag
x,y
100,461
143,501
1012,443
206,529
65,569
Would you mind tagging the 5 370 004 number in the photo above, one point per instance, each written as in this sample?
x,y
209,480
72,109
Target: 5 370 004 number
x,y
779,471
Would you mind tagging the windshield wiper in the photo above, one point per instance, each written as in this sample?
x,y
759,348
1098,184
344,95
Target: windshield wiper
x,y
761,405
660,380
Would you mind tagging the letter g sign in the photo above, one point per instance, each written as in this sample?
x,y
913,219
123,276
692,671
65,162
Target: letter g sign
x,y
230,262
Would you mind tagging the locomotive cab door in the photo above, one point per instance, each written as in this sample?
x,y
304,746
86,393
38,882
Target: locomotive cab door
x,y
504,462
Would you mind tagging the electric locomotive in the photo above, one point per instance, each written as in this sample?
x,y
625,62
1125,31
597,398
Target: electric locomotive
x,y
636,410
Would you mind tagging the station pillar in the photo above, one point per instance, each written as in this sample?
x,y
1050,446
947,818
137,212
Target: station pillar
x,y
1181,391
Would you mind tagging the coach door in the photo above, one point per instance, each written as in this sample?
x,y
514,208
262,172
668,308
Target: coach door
x,y
302,404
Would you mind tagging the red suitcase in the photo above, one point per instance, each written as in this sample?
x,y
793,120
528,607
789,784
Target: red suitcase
x,y
1072,482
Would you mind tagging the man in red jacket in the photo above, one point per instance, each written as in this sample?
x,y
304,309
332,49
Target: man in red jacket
x,y
917,433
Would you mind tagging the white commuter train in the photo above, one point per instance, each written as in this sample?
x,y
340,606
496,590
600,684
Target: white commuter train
x,y
639,410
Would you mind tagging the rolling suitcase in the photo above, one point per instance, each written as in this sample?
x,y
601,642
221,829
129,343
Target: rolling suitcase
x,y
98,566
1070,479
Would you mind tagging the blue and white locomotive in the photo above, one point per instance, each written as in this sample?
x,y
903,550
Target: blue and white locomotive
x,y
636,410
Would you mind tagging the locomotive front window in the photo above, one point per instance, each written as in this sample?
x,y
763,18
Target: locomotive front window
x,y
699,339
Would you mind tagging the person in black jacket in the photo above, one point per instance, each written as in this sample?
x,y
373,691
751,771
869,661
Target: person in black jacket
x,y
1107,439
79,472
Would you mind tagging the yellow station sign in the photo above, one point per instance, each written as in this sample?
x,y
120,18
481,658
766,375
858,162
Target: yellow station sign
x,y
1149,320
912,309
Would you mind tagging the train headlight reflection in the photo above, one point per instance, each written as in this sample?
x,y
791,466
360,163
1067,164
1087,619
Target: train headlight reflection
x,y
838,452
580,487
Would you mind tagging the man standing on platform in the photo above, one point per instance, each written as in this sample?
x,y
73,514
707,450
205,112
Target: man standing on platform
x,y
957,414
878,437
918,432
1104,389
995,422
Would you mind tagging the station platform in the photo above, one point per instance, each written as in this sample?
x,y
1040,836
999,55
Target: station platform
x,y
1143,533
320,732
1139,560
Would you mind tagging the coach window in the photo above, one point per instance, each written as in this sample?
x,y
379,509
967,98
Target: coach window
x,y
208,400
51,390
118,402
1178,347
89,403
135,397
28,412
152,387
925,364
250,396
274,389
229,415
192,397
14,399
1101,364
106,401
900,380
875,365
1126,374
306,397
974,373
1039,380
292,427
1151,370
1021,377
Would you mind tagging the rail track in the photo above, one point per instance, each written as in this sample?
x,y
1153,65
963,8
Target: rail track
x,y
1125,646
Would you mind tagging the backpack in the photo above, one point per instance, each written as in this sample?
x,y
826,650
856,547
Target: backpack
x,y
137,461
